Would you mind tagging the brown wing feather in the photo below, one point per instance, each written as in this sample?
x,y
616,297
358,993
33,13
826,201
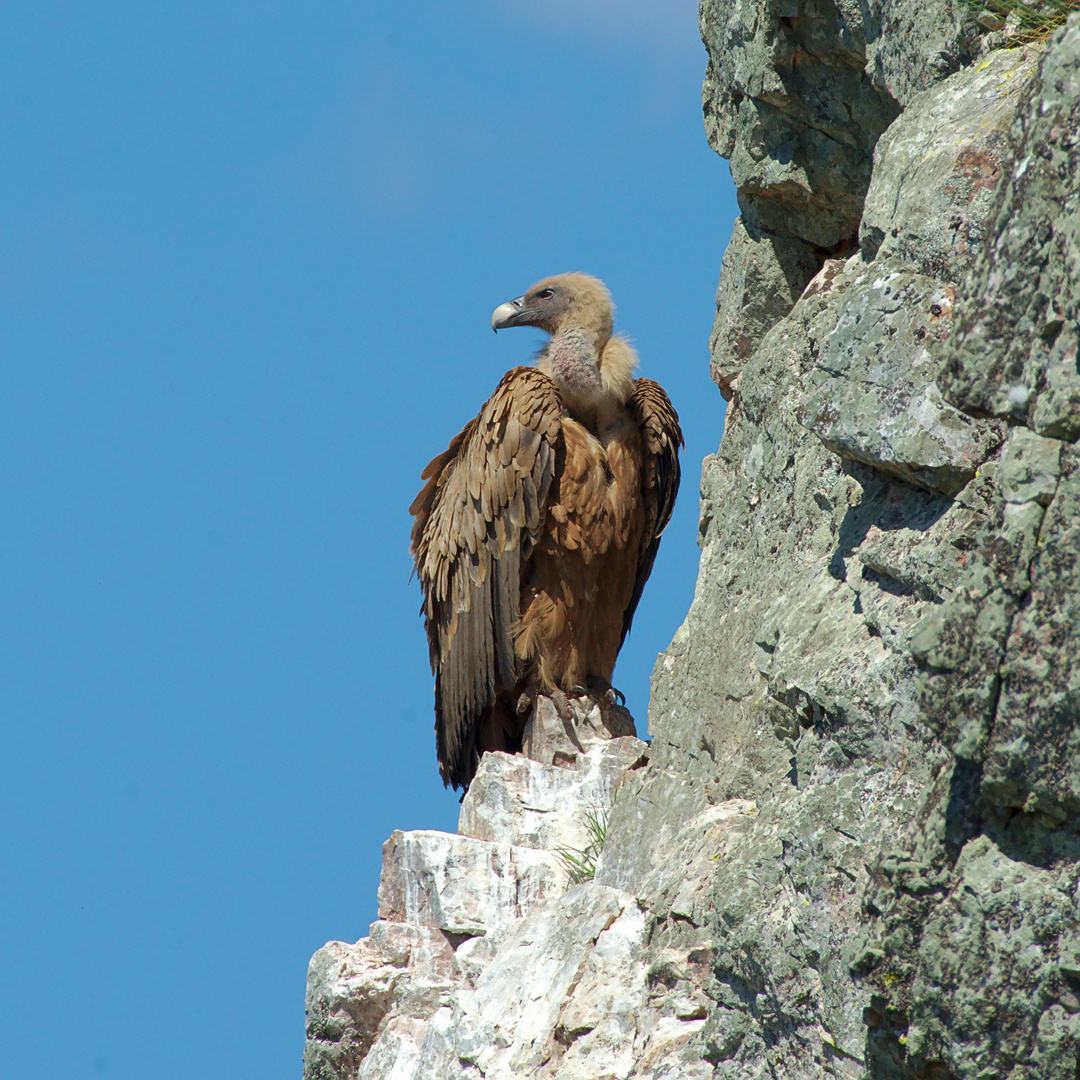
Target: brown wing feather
x,y
477,518
659,423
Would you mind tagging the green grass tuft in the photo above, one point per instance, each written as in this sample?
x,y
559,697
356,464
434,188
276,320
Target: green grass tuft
x,y
1031,22
580,863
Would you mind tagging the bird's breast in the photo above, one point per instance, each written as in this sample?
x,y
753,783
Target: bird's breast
x,y
600,487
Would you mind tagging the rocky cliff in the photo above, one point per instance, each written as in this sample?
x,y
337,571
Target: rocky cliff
x,y
851,848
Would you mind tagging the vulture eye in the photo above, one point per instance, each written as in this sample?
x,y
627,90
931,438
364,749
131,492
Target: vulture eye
x,y
547,294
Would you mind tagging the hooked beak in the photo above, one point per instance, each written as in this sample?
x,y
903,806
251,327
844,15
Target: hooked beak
x,y
507,314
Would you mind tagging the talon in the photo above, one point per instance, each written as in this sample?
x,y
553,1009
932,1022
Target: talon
x,y
615,697
562,706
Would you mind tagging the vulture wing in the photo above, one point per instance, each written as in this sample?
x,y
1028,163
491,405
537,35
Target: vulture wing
x,y
659,424
477,518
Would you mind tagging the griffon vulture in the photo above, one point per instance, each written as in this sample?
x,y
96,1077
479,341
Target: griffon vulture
x,y
537,528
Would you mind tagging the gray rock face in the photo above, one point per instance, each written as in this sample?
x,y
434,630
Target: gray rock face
x,y
930,198
882,650
912,46
1016,353
796,95
787,100
788,103
792,682
974,963
875,353
761,277
851,848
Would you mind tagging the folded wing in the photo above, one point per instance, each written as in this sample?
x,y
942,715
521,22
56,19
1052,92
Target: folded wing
x,y
477,520
659,424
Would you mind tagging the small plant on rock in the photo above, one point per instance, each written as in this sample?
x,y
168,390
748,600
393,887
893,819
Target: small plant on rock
x,y
1022,22
580,863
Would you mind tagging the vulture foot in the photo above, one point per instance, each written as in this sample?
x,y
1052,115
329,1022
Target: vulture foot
x,y
601,691
562,706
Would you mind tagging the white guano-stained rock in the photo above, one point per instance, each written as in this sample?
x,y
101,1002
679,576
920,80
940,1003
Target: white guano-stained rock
x,y
584,989
461,885
559,733
524,802
369,1002
482,964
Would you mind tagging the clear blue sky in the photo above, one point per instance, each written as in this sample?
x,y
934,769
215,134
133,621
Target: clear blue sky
x,y
248,254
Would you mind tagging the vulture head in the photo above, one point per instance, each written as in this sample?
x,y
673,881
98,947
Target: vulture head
x,y
592,367
561,303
